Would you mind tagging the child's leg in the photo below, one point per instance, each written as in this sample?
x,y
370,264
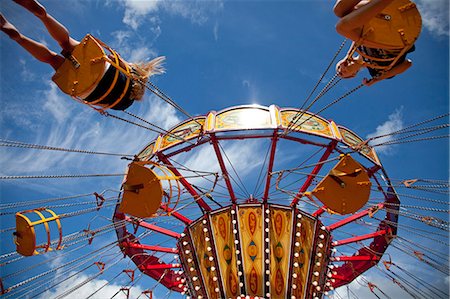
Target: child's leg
x,y
37,50
344,7
54,28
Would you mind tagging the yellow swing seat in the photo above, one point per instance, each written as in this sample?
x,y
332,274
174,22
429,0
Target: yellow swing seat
x,y
25,234
86,67
143,190
346,188
396,27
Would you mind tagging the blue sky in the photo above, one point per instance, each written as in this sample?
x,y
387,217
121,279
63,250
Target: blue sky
x,y
219,54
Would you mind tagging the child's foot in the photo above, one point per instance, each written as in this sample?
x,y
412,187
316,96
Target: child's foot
x,y
33,6
8,28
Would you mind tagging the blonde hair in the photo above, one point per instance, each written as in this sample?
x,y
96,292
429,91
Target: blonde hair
x,y
141,72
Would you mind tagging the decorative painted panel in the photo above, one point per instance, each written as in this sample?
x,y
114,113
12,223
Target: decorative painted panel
x,y
280,244
226,252
305,122
251,231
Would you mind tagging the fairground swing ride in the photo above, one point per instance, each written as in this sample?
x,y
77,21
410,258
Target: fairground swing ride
x,y
315,221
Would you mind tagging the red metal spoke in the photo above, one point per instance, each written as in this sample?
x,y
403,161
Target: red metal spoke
x,y
160,266
177,215
355,217
223,168
150,247
345,258
314,172
360,238
270,166
203,205
154,228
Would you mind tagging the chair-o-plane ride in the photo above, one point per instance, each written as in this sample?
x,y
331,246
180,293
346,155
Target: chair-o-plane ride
x,y
279,243
259,247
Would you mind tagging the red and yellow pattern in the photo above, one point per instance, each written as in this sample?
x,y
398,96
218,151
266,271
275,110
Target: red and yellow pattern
x,y
226,252
280,237
251,229
186,131
306,122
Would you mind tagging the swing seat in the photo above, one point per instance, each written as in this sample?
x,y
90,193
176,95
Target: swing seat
x,y
25,235
142,192
396,27
346,188
86,76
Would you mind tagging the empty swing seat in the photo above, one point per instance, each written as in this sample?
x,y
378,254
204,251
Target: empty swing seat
x,y
346,188
142,192
25,234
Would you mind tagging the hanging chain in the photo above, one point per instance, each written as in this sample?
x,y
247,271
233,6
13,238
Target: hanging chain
x,y
18,144
18,177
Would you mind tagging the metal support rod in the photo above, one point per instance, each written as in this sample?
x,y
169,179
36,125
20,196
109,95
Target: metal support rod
x,y
314,172
160,266
223,168
150,247
202,204
177,215
360,258
360,238
154,228
270,166
355,217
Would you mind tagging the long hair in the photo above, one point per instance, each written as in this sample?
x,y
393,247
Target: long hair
x,y
141,72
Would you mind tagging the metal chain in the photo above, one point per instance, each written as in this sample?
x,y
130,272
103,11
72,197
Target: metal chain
x,y
419,124
40,201
159,93
340,98
429,129
163,131
17,177
131,122
296,117
18,144
413,140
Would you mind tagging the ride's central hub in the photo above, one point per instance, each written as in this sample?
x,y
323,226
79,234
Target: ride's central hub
x,y
255,250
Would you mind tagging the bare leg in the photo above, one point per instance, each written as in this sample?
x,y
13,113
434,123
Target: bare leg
x,y
344,7
37,50
54,28
351,24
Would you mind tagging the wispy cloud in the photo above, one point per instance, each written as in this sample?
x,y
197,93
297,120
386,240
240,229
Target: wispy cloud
x,y
216,31
435,16
71,125
134,49
196,11
25,73
393,124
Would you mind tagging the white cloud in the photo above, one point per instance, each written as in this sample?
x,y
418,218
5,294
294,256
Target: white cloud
x,y
245,156
133,51
74,126
393,124
26,74
216,31
195,10
55,103
136,10
141,54
435,16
